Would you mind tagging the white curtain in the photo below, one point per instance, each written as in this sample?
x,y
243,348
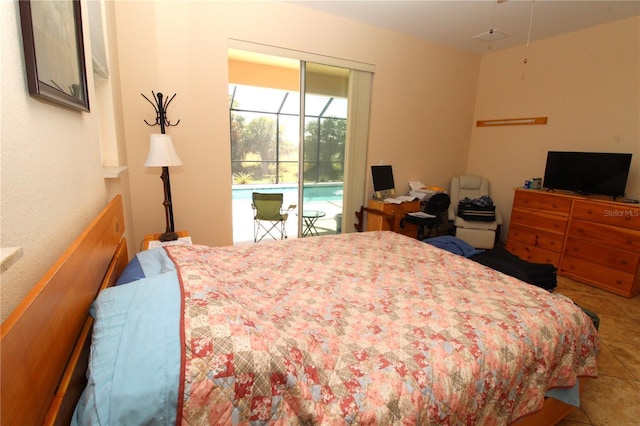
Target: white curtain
x,y
360,86
355,175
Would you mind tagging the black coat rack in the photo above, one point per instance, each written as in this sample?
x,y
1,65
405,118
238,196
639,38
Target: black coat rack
x,y
160,106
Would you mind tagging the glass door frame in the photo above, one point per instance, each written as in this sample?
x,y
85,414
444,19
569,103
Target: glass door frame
x,y
359,98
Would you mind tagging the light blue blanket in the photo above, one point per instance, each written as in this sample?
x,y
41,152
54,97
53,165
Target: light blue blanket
x,y
134,368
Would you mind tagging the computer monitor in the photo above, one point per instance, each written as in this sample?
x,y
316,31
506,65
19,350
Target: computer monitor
x,y
383,185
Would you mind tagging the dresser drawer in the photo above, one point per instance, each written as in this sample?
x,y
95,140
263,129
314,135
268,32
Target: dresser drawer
x,y
539,220
621,215
607,236
621,260
609,279
536,237
548,203
591,240
533,254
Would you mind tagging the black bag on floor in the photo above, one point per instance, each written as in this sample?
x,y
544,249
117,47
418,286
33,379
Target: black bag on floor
x,y
594,317
540,274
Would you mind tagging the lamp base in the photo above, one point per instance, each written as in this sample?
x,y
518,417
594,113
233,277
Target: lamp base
x,y
168,236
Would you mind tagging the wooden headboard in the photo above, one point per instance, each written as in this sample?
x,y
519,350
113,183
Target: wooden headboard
x,y
45,340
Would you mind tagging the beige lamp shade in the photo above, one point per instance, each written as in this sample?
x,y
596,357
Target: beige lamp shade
x,y
161,152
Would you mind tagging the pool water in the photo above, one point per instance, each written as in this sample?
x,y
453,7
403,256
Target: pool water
x,y
315,192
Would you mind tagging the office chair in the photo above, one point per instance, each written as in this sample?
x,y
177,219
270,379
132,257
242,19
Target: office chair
x,y
435,214
268,218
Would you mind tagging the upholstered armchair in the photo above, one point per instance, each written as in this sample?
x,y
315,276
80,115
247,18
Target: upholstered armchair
x,y
481,234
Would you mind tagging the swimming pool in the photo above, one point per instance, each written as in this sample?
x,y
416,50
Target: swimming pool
x,y
312,192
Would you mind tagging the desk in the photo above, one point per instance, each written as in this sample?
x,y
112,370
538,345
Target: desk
x,y
310,218
375,223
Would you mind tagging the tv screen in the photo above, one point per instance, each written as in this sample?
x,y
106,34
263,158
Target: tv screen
x,y
383,184
587,172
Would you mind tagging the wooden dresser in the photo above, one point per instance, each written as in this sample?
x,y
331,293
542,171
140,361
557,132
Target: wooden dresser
x,y
593,241
376,223
538,226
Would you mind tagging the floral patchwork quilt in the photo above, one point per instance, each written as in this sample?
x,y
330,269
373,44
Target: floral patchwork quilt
x,y
368,328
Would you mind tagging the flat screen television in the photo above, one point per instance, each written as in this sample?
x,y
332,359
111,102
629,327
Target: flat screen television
x,y
383,185
587,172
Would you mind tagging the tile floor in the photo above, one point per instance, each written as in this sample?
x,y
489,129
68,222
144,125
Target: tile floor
x,y
614,397
243,220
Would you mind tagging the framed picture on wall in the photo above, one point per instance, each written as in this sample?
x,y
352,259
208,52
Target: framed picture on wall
x,y
54,51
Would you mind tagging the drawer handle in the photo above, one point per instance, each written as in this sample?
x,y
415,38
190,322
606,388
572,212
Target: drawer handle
x,y
623,262
555,225
629,241
619,282
589,211
554,205
572,267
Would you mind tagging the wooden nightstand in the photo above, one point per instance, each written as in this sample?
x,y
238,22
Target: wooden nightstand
x,y
152,240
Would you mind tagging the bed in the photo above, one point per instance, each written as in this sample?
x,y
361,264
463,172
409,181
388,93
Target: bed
x,y
364,328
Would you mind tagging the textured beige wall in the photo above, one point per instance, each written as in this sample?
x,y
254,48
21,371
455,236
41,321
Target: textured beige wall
x,y
586,82
51,174
423,99
278,77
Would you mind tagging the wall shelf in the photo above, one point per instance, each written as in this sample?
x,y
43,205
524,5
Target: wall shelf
x,y
112,172
512,122
9,256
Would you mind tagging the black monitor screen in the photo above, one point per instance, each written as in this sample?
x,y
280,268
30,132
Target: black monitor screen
x,y
382,180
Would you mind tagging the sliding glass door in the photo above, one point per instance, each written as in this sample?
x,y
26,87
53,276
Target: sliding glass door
x,y
289,127
324,125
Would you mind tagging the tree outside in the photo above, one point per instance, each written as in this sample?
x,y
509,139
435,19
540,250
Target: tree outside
x,y
324,143
262,152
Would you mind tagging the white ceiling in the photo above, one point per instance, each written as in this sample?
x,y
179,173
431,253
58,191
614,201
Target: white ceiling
x,y
456,22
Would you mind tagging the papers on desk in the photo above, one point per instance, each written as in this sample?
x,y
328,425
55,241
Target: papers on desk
x,y
422,215
421,187
416,186
418,192
399,200
422,192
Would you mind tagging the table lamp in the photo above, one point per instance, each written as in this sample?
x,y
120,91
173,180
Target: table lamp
x,y
162,154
